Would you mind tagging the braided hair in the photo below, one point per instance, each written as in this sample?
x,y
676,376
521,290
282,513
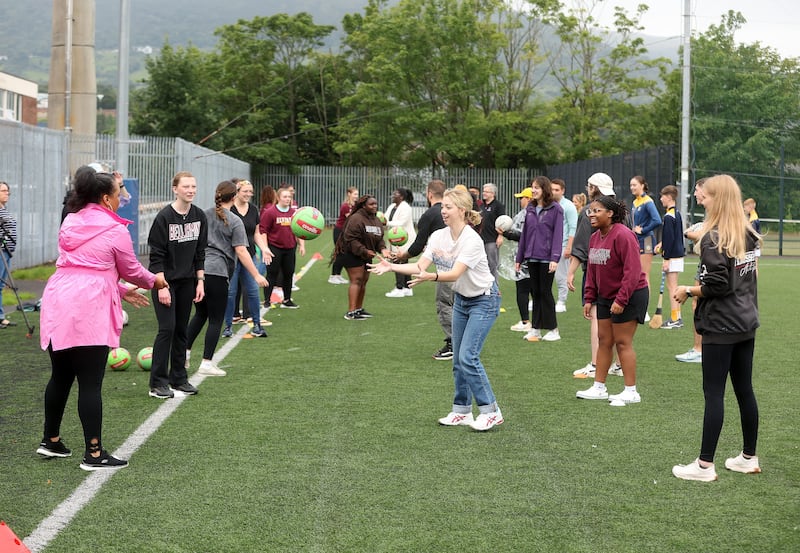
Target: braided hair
x,y
226,190
618,209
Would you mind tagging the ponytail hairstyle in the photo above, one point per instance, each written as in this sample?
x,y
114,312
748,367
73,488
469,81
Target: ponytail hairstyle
x,y
619,212
462,199
226,190
640,178
89,187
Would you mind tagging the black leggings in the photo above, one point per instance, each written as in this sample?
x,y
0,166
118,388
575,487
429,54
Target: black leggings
x,y
88,365
718,361
211,309
283,262
337,266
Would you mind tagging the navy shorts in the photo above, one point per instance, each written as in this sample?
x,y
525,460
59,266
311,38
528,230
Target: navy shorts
x,y
636,308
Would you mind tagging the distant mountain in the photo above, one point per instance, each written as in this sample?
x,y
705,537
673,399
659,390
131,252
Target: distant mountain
x,y
26,27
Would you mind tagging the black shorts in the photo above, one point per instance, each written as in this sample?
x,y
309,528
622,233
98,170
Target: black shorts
x,y
349,260
636,308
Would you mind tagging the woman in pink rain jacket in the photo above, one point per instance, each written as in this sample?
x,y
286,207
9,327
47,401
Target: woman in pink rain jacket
x,y
82,313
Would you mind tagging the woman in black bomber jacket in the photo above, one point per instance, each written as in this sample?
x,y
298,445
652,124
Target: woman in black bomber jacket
x,y
727,318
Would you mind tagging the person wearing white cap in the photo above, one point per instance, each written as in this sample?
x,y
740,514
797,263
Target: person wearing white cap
x,y
599,184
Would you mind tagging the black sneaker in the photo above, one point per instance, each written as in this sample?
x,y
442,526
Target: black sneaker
x,y
289,304
185,388
104,462
355,316
161,392
365,314
444,354
258,333
53,449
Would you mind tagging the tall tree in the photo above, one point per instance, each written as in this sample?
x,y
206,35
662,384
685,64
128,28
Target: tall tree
x,y
603,76
745,107
431,84
176,100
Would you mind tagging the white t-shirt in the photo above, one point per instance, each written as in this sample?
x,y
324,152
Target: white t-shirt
x,y
469,250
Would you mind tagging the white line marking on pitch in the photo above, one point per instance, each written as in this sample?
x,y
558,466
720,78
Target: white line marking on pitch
x,y
63,514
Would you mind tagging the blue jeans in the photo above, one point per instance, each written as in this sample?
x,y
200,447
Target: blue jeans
x,y
250,294
3,277
472,320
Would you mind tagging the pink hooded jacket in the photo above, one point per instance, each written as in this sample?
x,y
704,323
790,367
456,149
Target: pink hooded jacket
x,y
82,302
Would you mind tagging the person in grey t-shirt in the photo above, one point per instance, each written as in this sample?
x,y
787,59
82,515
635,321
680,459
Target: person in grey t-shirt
x,y
227,241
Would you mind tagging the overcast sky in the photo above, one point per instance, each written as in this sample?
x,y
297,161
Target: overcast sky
x,y
774,23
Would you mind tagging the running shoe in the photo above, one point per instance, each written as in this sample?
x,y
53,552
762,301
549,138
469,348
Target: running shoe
x,y
626,396
740,463
104,462
485,421
457,419
585,372
53,449
693,471
691,356
592,393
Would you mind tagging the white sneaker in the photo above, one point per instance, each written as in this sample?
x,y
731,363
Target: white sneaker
x,y
561,307
396,293
334,279
552,336
457,419
188,355
742,464
586,372
342,280
691,356
209,368
615,369
485,421
693,471
295,287
408,292
521,327
626,396
592,393
533,335
646,317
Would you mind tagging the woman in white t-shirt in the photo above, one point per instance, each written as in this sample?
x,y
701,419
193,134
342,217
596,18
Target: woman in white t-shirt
x,y
458,255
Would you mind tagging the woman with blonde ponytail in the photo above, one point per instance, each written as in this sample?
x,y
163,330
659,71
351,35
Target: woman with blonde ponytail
x,y
227,242
726,318
458,256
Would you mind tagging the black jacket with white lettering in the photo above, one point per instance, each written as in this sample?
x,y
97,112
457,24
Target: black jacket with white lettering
x,y
728,311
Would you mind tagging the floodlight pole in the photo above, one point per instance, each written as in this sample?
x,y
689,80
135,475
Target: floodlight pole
x,y
686,108
124,85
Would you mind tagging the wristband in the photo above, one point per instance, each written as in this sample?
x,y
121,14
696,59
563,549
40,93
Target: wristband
x,y
201,278
689,291
437,276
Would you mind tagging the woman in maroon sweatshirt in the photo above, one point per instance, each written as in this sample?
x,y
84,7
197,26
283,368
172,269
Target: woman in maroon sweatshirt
x,y
616,284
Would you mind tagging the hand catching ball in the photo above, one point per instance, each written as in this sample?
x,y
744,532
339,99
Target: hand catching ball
x,y
397,236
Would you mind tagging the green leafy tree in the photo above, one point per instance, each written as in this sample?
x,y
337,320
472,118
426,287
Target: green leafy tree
x,y
745,106
264,85
604,77
177,99
433,86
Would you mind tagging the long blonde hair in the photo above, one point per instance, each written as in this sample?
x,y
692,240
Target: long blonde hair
x,y
463,200
724,216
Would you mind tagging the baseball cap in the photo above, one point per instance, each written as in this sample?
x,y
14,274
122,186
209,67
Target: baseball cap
x,y
527,193
604,183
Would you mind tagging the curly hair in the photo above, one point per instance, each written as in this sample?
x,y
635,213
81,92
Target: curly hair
x,y
619,211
